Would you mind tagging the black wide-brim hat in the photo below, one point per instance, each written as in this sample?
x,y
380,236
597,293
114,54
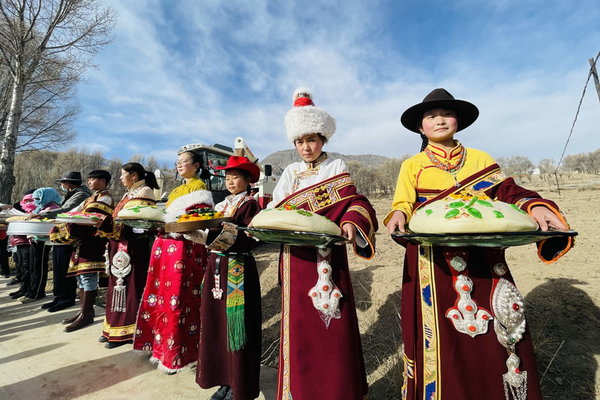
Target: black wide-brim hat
x,y
70,176
466,112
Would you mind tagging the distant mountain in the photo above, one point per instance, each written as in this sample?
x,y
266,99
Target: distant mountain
x,y
280,159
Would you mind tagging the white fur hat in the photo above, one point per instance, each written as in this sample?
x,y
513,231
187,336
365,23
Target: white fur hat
x,y
305,118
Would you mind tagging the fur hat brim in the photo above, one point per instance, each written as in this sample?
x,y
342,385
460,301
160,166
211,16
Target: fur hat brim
x,y
301,121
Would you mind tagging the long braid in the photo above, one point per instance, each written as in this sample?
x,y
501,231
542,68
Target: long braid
x,y
425,142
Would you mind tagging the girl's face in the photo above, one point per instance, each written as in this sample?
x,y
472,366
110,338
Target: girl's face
x,y
235,181
185,166
128,179
439,126
309,147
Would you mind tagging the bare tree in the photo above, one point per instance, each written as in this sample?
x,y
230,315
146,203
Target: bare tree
x,y
33,35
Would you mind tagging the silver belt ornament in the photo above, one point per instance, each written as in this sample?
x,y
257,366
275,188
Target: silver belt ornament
x,y
120,267
509,324
325,295
467,317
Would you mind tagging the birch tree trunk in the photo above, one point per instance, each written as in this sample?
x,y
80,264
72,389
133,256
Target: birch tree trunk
x,y
9,142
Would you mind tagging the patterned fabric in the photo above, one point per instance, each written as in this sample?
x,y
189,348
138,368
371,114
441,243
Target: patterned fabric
x,y
168,320
236,330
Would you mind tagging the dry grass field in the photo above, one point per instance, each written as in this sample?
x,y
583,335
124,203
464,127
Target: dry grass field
x,y
562,301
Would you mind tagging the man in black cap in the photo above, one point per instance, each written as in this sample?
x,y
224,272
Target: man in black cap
x,y
65,288
88,258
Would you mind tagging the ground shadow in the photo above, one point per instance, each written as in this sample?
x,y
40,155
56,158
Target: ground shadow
x,y
382,344
362,282
83,378
565,326
31,353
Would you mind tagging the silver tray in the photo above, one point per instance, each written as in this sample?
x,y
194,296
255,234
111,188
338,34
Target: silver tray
x,y
295,238
141,223
78,221
31,228
494,239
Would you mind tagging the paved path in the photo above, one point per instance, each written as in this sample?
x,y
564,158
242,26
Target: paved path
x,y
39,361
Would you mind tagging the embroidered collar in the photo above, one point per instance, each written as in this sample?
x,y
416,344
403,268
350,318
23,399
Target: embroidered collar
x,y
450,161
135,189
319,160
444,154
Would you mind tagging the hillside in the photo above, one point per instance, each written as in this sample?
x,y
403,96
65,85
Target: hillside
x,y
280,159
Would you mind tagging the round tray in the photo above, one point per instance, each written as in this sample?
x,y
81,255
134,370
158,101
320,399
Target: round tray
x,y
33,228
141,223
78,221
190,226
494,239
295,238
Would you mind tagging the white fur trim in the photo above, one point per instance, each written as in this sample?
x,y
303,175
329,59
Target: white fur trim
x,y
302,90
300,121
178,206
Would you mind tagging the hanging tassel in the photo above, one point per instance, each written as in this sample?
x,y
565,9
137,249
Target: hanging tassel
x,y
119,299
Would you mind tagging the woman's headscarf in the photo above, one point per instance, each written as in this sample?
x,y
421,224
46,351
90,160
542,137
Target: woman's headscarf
x,y
43,196
27,203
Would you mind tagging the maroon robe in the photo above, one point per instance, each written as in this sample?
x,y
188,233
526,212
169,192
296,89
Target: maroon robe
x,y
316,361
439,361
217,364
119,325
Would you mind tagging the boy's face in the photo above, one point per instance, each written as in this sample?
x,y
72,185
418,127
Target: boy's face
x,y
439,125
235,181
96,183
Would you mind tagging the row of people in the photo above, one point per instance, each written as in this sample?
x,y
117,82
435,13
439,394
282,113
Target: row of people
x,y
201,298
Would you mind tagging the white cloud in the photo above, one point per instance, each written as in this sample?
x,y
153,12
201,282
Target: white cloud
x,y
207,72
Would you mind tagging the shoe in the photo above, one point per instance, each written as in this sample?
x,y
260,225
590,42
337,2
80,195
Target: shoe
x,y
229,395
23,298
112,345
50,304
26,300
86,317
221,393
17,294
103,339
61,305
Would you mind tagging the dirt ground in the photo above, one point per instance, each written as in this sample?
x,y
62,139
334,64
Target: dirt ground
x,y
39,361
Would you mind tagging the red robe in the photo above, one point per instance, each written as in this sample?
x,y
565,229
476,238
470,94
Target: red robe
x,y
316,361
438,359
217,363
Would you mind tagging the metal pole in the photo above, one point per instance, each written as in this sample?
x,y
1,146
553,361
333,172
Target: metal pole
x,y
595,75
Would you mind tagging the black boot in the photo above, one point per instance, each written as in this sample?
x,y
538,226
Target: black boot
x,y
50,304
87,312
221,393
61,305
112,345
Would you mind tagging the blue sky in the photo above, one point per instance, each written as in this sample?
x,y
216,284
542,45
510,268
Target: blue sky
x,y
196,71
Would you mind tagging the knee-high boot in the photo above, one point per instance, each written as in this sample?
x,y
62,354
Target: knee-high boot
x,y
87,312
74,317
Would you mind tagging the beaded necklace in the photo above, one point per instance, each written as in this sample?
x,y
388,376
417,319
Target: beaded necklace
x,y
449,166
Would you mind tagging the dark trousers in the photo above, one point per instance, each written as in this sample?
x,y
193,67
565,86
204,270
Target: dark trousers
x,y
22,261
65,288
38,269
4,266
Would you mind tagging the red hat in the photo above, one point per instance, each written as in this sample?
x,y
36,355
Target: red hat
x,y
236,162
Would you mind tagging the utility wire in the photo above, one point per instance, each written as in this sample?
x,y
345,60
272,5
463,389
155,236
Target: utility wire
x,y
577,113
